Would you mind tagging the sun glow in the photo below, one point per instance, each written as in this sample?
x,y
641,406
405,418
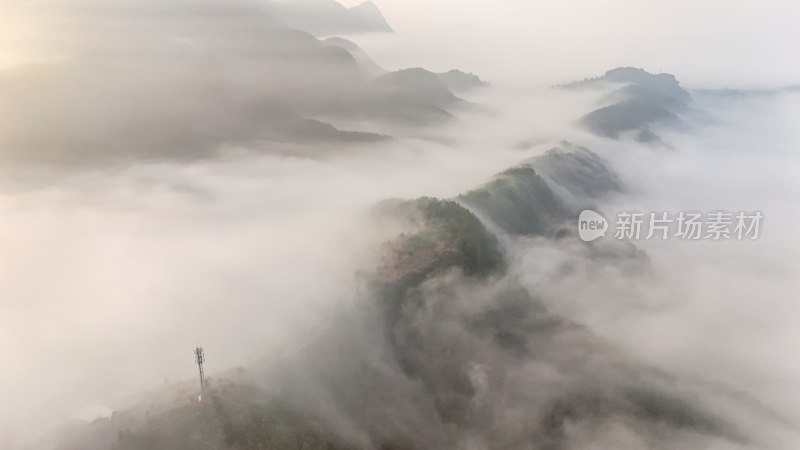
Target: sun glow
x,y
23,35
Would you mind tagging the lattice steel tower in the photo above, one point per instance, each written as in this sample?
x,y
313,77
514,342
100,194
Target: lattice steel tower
x,y
200,358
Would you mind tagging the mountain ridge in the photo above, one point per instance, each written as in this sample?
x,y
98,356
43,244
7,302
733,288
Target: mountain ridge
x,y
324,18
644,101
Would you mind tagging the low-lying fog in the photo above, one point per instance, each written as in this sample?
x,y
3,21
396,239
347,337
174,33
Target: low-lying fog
x,y
109,277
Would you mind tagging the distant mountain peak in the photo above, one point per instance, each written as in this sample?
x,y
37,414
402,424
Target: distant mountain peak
x,y
459,81
642,77
369,4
369,67
328,17
421,80
645,99
370,12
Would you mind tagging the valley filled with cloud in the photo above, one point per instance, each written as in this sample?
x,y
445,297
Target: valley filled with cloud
x,y
372,229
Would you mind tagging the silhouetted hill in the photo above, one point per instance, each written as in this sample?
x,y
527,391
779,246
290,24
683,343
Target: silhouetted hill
x,y
368,14
458,81
328,17
419,82
642,102
632,115
412,96
364,61
664,84
246,80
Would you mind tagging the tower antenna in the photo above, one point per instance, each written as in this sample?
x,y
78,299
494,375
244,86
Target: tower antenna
x,y
200,358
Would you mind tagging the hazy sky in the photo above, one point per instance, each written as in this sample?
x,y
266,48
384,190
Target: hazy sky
x,y
740,42
707,42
